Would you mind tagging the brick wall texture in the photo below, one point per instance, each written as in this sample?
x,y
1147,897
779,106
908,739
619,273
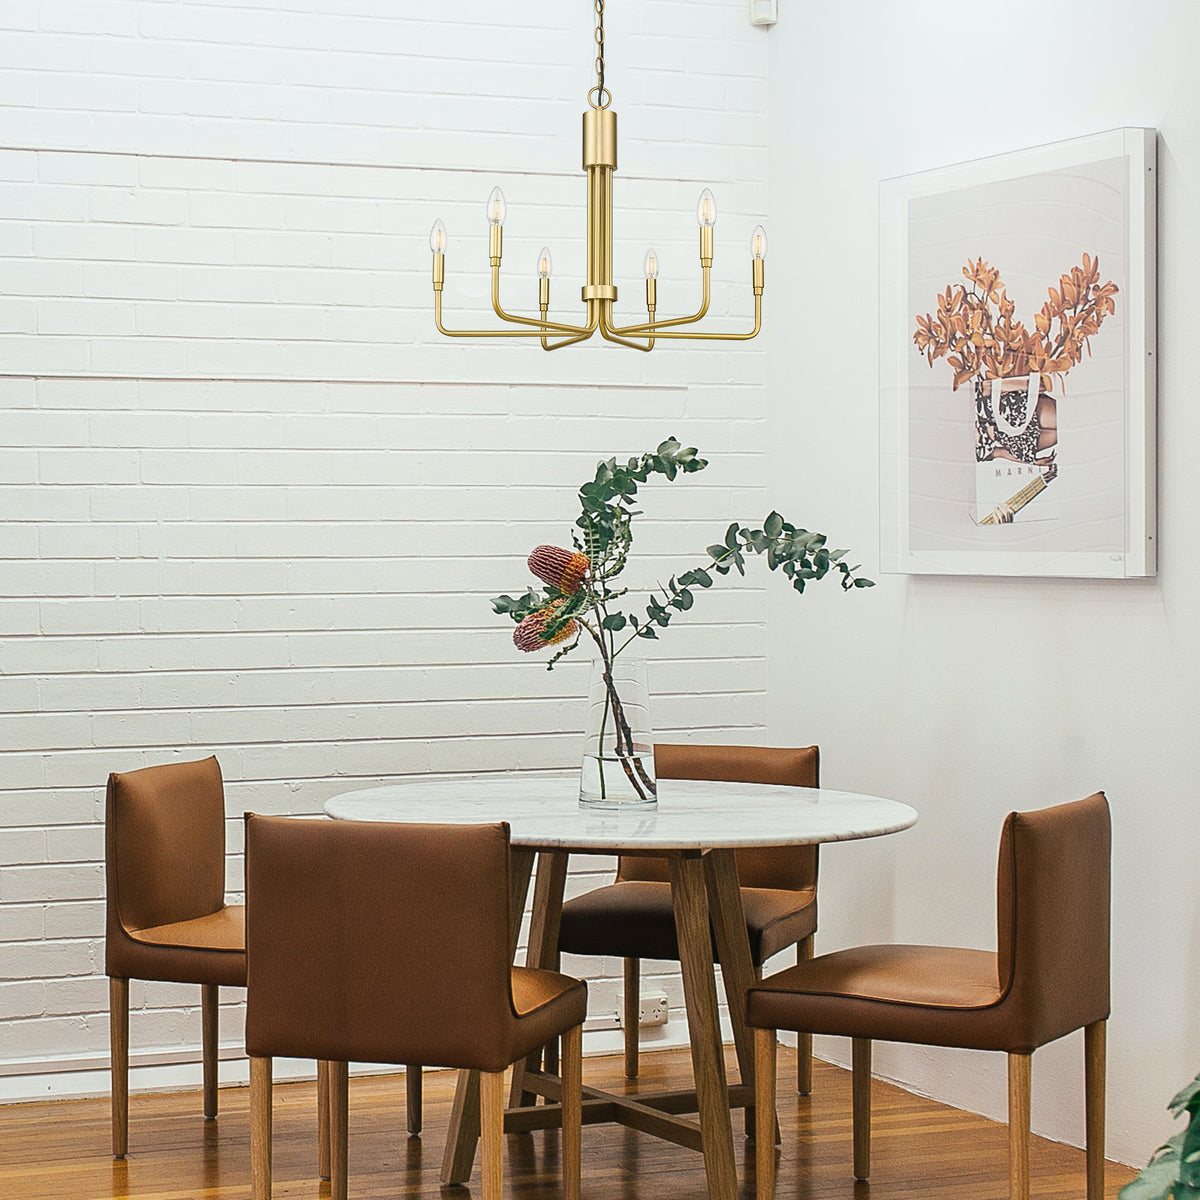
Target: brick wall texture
x,y
251,503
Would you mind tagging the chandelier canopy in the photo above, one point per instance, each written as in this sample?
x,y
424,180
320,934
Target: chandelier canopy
x,y
599,294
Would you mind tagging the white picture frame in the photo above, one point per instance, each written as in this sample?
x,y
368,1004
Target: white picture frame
x,y
1037,270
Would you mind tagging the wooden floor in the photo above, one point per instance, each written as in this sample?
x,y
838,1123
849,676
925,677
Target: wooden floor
x,y
921,1150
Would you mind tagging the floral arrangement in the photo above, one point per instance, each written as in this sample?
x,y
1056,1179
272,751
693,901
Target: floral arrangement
x,y
976,331
581,596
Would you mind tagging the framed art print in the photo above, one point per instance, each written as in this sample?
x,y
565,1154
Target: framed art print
x,y
1017,363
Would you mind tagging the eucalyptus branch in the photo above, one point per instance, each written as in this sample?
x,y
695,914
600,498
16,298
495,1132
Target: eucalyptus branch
x,y
605,536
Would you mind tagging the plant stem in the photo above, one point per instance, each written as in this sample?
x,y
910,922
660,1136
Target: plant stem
x,y
630,761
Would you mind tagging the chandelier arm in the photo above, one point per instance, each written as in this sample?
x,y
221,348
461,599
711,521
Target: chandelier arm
x,y
607,331
620,341
488,333
650,327
722,337
579,337
542,325
592,325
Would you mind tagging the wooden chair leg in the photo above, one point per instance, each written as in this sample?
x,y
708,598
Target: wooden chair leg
x,y
689,901
572,1111
804,1042
1019,1088
860,1068
632,1017
210,1001
1094,1039
339,1097
550,1056
118,1033
322,1118
491,1132
413,1093
260,1129
764,1107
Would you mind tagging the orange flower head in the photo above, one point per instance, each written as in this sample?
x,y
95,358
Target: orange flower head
x,y
560,568
530,633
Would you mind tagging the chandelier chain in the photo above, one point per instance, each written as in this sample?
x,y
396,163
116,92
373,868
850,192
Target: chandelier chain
x,y
603,97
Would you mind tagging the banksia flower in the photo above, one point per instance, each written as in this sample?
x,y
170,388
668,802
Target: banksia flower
x,y
559,568
530,633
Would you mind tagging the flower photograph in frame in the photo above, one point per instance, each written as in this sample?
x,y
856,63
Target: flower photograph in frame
x,y
1017,363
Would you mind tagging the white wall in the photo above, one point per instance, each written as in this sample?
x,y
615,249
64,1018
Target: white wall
x,y
1087,685
250,503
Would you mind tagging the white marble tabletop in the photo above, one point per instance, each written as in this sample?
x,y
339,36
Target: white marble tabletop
x,y
543,811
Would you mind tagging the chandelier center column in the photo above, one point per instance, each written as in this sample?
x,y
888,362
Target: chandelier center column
x,y
600,161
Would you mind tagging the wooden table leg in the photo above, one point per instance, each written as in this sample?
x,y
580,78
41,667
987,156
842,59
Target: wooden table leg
x,y
733,952
542,951
462,1138
704,1030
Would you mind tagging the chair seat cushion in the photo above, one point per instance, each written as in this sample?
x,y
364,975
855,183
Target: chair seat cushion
x,y
222,930
635,919
209,949
929,994
545,1003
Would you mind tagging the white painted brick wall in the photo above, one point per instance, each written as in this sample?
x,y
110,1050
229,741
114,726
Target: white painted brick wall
x,y
250,503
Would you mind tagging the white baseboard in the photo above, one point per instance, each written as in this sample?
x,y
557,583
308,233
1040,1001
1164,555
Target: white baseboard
x,y
178,1069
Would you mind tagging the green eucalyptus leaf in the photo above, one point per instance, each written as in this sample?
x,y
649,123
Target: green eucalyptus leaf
x,y
773,525
1187,1098
1156,1181
614,621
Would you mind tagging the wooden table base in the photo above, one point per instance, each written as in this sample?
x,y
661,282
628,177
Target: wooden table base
x,y
700,883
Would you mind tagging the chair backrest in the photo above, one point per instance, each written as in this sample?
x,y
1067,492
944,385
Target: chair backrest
x,y
165,844
788,867
377,941
1052,906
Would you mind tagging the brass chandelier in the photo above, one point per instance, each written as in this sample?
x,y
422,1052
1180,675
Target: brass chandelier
x,y
599,294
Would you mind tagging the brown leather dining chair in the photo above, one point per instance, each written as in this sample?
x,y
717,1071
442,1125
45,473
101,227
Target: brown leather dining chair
x,y
633,917
390,943
1048,977
167,919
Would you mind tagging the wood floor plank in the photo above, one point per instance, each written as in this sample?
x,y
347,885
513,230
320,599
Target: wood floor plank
x,y
920,1150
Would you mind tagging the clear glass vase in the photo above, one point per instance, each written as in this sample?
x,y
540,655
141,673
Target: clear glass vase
x,y
618,747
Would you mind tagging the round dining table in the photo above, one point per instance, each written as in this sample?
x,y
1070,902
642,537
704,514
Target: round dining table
x,y
696,826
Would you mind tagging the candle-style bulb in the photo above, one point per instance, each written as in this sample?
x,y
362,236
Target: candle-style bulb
x,y
496,208
758,242
650,266
437,237
706,209
544,263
